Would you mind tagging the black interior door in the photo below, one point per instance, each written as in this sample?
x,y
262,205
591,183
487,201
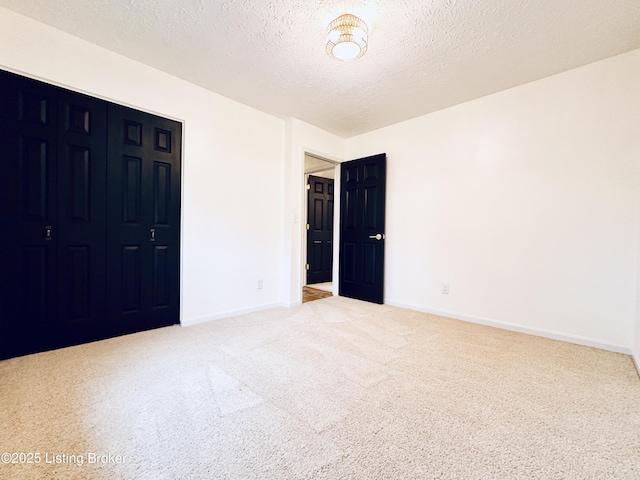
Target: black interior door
x,y
362,217
320,232
143,225
80,230
28,213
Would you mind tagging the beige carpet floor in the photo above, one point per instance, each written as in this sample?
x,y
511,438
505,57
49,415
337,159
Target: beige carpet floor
x,y
333,389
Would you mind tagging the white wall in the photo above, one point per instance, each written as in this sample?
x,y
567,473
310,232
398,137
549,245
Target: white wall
x,y
233,158
301,138
525,202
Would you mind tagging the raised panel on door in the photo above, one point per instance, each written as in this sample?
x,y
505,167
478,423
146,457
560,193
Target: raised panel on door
x,y
319,214
161,276
35,288
351,205
35,153
143,217
327,258
369,263
131,190
348,265
28,214
370,206
161,193
77,278
130,301
81,227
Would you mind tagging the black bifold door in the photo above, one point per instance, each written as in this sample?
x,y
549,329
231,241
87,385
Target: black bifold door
x,y
89,218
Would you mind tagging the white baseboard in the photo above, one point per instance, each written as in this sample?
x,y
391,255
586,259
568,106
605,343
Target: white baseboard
x,y
635,356
230,313
539,332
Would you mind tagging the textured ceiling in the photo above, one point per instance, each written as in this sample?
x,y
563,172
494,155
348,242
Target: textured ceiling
x,y
423,55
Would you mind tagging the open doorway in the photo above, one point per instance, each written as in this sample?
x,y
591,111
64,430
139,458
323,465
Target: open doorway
x,y
319,175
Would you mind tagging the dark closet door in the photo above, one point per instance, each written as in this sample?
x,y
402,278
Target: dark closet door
x,y
89,218
52,204
81,227
320,232
28,213
143,224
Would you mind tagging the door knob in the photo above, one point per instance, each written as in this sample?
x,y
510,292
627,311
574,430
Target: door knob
x,y
47,232
153,234
378,236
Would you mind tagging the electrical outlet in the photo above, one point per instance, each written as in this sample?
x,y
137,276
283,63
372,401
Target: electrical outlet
x,y
445,289
260,284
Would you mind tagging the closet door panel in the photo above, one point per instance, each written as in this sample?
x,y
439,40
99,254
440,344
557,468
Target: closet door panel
x,y
28,214
143,227
82,188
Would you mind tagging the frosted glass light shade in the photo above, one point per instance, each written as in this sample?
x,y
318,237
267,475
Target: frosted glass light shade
x,y
347,38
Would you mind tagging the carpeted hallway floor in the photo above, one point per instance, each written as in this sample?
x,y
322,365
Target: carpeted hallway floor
x,y
333,389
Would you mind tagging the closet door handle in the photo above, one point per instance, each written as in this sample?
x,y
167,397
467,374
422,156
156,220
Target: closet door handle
x,y
47,232
153,234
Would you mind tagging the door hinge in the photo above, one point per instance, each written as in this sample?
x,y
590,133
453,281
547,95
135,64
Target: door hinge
x,y
307,266
308,186
307,226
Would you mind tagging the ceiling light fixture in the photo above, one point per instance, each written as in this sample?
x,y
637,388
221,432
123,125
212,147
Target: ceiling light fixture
x,y
347,38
